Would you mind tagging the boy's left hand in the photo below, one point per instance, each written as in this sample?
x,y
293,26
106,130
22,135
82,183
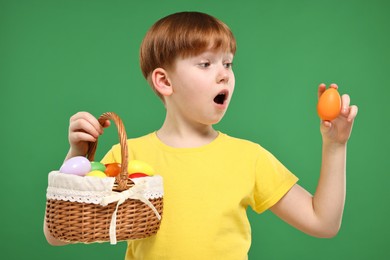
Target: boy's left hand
x,y
338,130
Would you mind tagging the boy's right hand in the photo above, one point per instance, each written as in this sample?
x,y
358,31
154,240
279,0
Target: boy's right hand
x,y
83,128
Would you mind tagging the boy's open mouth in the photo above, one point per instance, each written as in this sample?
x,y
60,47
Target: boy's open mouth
x,y
221,97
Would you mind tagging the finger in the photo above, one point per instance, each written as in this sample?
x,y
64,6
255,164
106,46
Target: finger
x,y
333,85
85,116
79,115
352,113
326,123
321,89
106,124
345,101
78,137
83,125
325,126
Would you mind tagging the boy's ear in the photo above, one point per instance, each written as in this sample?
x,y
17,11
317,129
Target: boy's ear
x,y
161,82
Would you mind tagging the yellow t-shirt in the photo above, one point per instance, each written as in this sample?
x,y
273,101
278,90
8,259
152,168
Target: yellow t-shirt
x,y
206,193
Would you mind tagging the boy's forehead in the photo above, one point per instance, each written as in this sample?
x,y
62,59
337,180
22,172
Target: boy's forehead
x,y
216,53
211,52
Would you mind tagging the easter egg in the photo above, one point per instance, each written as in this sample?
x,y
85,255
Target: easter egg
x,y
78,165
98,166
137,166
329,104
96,173
113,169
137,175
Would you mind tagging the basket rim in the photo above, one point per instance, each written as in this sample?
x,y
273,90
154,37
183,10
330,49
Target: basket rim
x,y
68,187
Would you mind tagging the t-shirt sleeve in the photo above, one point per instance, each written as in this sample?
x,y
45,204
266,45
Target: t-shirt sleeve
x,y
112,156
272,181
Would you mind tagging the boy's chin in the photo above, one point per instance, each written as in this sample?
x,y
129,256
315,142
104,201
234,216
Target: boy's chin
x,y
217,120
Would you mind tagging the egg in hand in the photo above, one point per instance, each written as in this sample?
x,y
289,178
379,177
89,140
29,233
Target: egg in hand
x,y
329,104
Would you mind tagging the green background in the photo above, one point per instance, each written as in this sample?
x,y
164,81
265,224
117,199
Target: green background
x,y
60,57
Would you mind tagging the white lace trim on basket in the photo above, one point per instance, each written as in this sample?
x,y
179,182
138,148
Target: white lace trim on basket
x,y
94,190
68,187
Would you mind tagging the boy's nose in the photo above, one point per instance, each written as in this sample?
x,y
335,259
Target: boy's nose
x,y
223,76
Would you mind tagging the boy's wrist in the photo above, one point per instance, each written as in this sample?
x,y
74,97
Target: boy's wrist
x,y
333,146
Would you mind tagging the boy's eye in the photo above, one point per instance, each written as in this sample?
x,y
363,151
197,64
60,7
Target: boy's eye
x,y
228,65
204,64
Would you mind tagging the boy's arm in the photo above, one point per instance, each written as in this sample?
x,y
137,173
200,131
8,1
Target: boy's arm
x,y
50,239
320,215
83,128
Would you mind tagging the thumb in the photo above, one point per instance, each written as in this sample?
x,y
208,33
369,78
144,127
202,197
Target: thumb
x,y
325,126
106,124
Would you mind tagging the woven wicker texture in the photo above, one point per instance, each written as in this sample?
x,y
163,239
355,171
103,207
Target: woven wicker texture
x,y
76,222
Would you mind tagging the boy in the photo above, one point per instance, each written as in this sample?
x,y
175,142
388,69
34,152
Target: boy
x,y
211,178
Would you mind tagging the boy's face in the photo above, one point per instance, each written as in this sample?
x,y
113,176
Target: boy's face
x,y
202,87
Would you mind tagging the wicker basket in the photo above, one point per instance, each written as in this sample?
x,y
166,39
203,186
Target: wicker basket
x,y
79,222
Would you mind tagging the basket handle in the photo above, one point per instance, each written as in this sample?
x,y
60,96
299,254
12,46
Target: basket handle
x,y
122,178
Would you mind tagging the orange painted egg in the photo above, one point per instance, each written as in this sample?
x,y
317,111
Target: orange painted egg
x,y
329,104
113,169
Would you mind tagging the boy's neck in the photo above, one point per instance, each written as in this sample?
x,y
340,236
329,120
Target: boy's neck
x,y
186,136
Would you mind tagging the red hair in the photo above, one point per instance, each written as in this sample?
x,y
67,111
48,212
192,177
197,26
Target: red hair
x,y
183,34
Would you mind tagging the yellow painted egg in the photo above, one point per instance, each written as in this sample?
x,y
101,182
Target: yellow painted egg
x,y
137,166
96,173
